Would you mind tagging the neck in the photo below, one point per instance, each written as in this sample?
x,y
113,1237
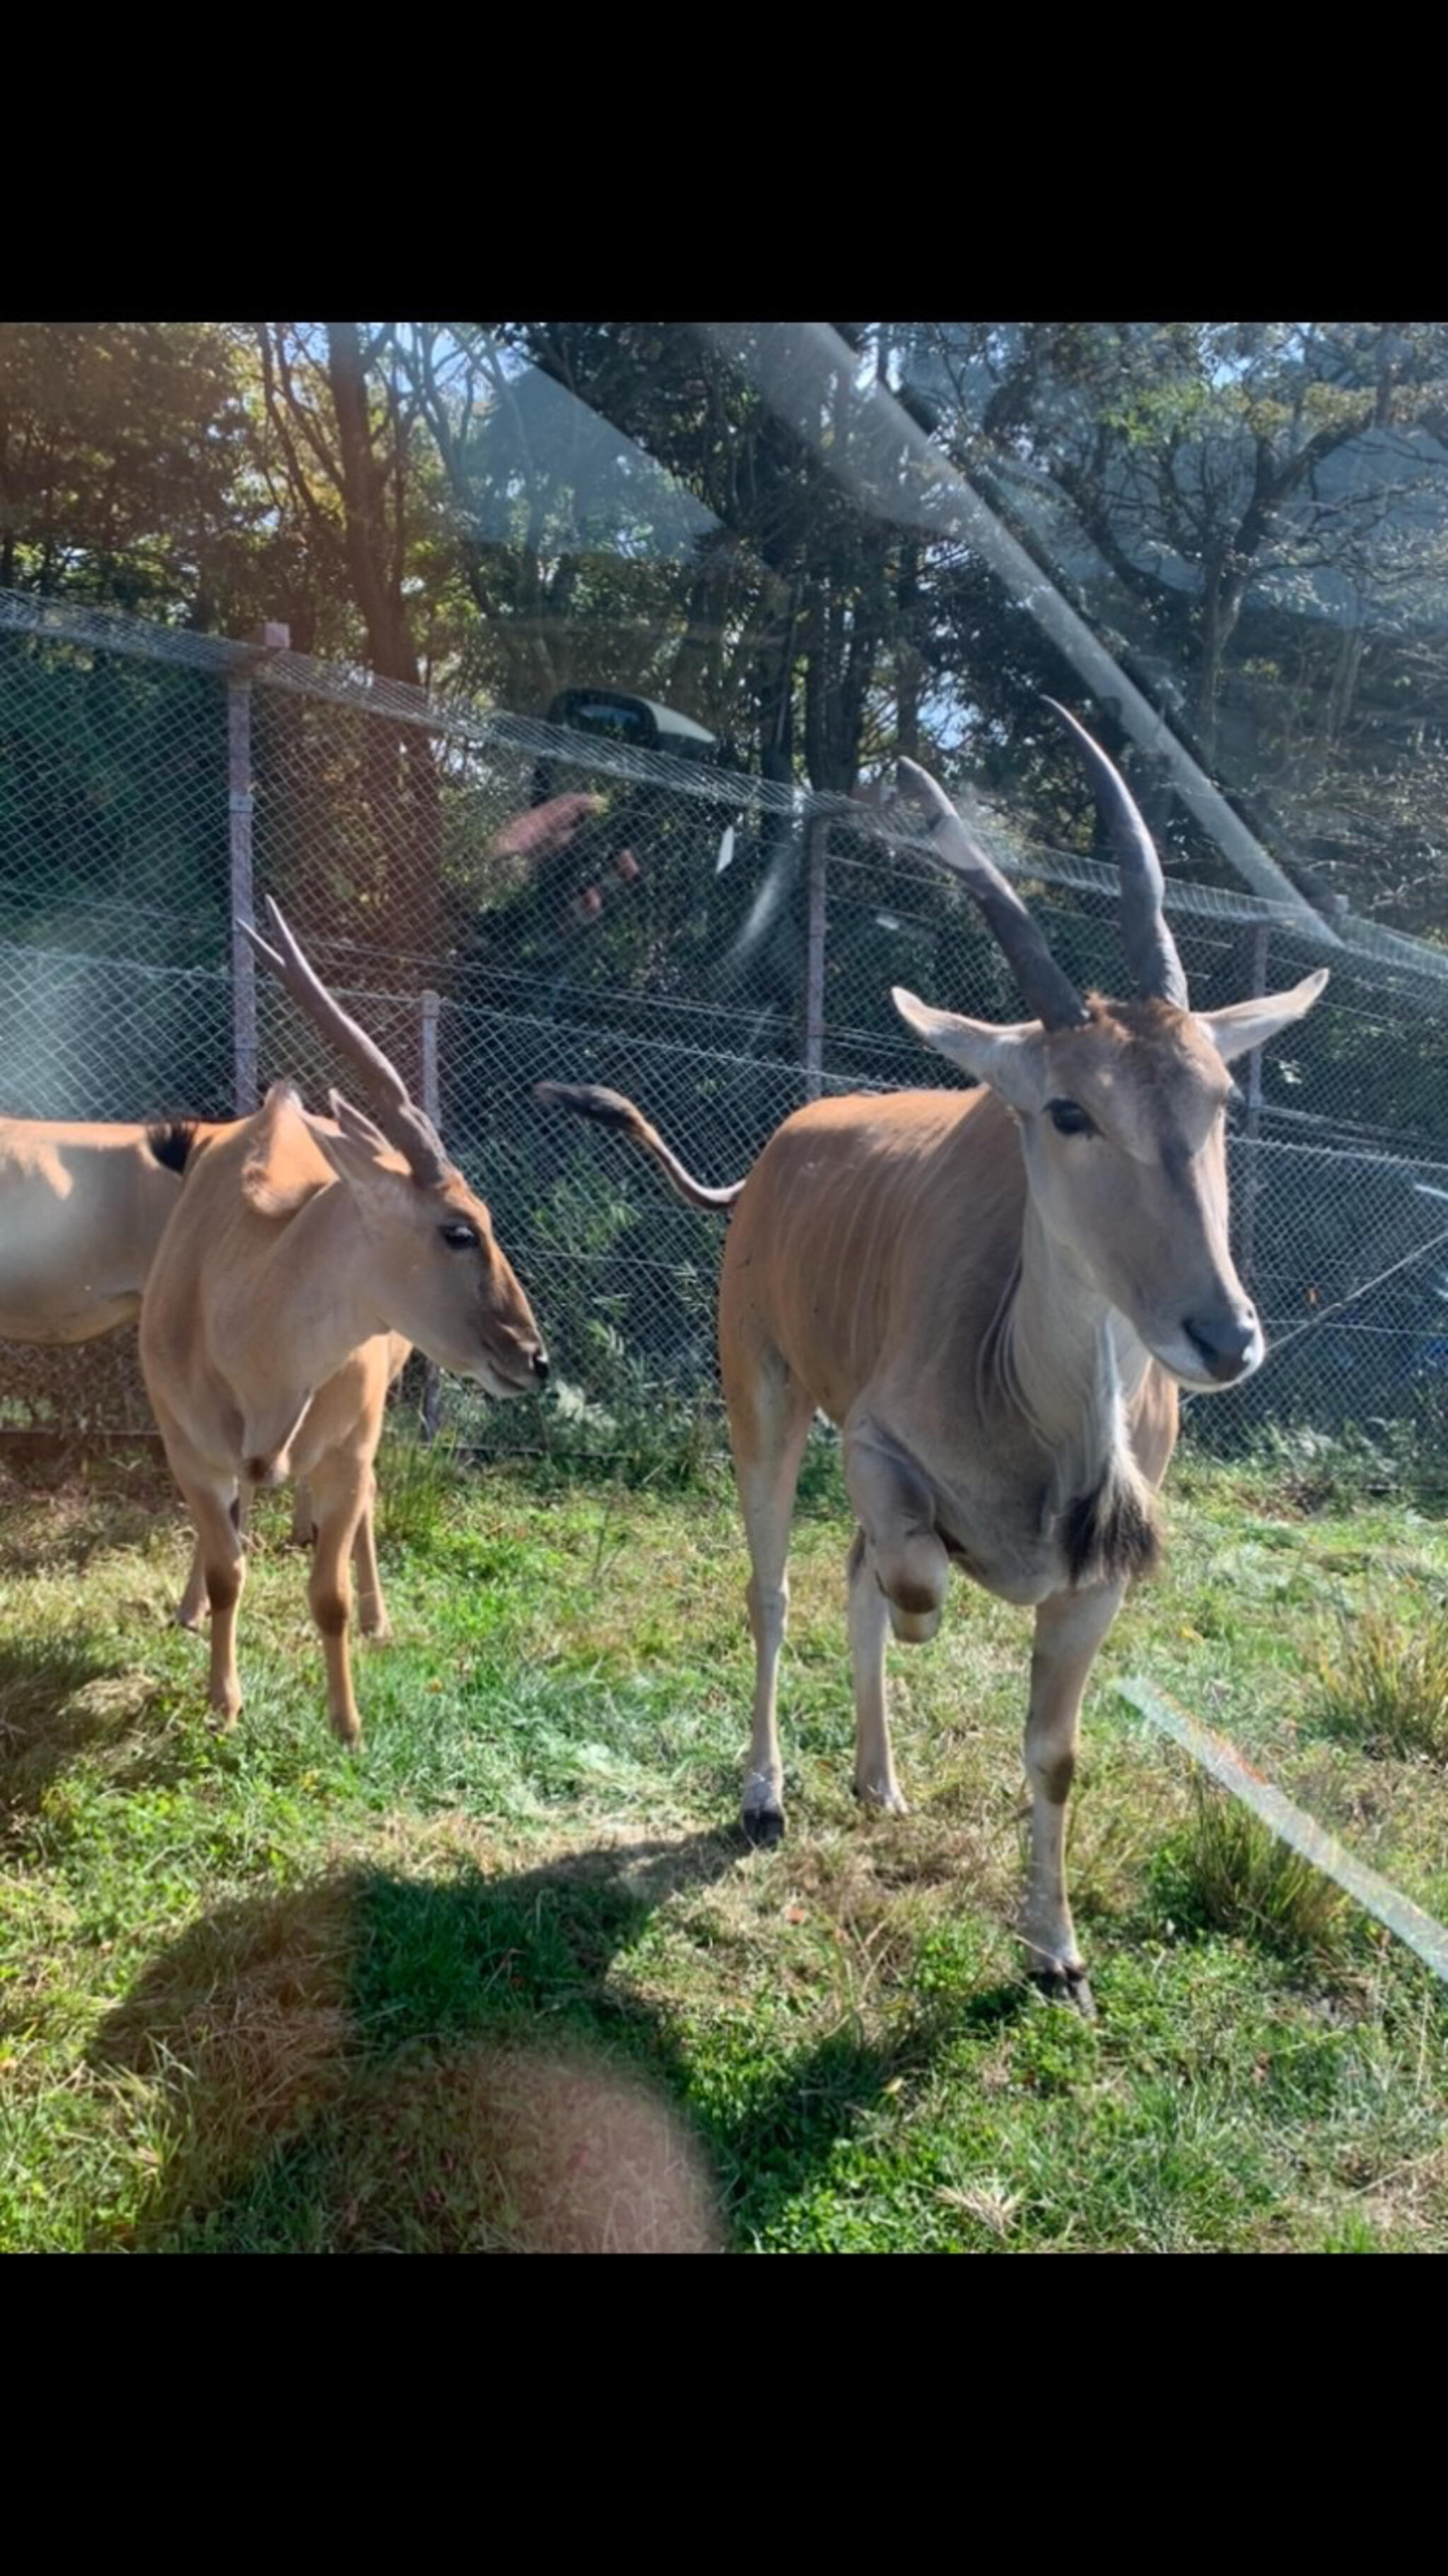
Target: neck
x,y
1070,1364
320,1280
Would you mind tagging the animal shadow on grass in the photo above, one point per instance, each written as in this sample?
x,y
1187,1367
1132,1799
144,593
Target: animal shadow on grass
x,y
64,1511
377,2063
53,1704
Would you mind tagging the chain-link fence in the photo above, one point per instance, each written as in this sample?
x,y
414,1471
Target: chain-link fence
x,y
718,947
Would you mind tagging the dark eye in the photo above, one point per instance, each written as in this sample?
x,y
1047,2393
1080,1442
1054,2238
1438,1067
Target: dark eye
x,y
459,1237
1068,1120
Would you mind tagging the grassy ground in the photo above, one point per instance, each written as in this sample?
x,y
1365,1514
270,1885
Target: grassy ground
x,y
508,1978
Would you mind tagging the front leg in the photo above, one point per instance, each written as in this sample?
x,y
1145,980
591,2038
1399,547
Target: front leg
x,y
194,1600
1070,1627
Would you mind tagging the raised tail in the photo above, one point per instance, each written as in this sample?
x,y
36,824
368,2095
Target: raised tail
x,y
610,1109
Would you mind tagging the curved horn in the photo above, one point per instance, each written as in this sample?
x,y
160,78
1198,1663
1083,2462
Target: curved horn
x,y
1151,951
1045,988
403,1126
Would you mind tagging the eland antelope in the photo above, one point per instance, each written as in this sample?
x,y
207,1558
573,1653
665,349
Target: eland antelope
x,y
83,1207
996,1296
301,1250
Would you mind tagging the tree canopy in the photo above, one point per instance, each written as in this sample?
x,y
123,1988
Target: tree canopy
x,y
1253,518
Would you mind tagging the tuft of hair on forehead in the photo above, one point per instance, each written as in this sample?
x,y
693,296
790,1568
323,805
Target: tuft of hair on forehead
x,y
1168,1036
1147,1050
1145,1019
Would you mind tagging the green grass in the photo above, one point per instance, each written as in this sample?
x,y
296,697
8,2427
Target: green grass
x,y
1225,1871
507,1977
1383,1684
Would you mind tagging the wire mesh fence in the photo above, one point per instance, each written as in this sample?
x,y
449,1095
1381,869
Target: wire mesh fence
x,y
500,901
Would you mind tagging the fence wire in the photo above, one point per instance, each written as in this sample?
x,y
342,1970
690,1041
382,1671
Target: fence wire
x,y
719,947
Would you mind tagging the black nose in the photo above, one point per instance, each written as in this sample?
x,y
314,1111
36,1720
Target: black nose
x,y
1224,1341
540,1367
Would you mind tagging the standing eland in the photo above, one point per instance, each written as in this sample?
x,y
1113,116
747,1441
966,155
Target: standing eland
x,y
996,1297
302,1249
83,1207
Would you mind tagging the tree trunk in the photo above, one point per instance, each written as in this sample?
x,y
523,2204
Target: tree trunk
x,y
909,661
375,585
400,769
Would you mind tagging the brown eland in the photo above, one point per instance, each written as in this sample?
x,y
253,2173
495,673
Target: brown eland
x,y
83,1207
996,1296
302,1250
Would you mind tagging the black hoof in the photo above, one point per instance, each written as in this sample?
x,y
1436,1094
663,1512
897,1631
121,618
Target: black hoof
x,y
763,1827
1069,1986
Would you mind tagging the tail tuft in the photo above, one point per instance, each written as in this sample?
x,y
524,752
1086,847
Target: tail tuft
x,y
171,1141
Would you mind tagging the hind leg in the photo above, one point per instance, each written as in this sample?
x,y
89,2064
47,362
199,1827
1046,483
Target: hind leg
x,y
769,1419
875,1781
371,1608
193,1602
340,1483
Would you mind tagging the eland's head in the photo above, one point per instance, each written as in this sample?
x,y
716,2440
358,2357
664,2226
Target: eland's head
x,y
1122,1106
441,1278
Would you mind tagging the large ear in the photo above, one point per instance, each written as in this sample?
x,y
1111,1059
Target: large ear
x,y
354,1124
359,1153
1012,1060
1246,1025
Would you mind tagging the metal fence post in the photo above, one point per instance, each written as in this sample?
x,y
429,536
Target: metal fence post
x,y
432,1383
817,861
243,976
1252,1183
241,807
